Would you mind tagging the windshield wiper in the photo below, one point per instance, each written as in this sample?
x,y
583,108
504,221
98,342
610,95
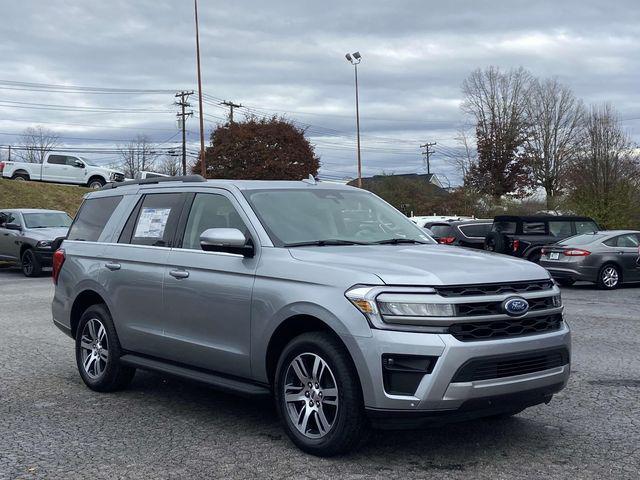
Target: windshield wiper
x,y
322,243
396,241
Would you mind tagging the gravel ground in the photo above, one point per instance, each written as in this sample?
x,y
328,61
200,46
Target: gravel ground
x,y
51,426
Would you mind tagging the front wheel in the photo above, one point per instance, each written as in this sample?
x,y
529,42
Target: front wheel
x,y
30,264
98,352
318,395
96,183
609,277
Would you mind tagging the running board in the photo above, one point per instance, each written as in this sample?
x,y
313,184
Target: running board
x,y
217,381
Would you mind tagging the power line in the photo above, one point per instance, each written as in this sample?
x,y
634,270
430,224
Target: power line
x,y
231,106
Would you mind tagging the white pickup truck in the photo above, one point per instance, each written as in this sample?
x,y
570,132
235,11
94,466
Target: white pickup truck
x,y
61,168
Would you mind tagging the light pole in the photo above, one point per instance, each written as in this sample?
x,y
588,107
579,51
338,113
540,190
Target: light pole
x,y
203,170
354,59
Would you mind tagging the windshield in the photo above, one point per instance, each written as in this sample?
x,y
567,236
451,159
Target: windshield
x,y
325,217
46,219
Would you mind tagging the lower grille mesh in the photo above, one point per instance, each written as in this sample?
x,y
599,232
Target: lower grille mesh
x,y
510,365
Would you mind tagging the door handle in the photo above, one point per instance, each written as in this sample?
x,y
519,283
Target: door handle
x,y
113,266
179,274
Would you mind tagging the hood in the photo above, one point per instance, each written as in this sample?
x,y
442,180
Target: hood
x,y
46,233
424,264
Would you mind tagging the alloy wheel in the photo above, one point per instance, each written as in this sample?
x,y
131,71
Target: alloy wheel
x,y
27,263
610,277
94,348
311,395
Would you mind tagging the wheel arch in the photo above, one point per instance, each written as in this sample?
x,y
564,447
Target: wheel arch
x,y
616,264
83,300
97,176
20,171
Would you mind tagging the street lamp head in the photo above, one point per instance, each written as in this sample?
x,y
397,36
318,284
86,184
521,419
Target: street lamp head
x,y
348,56
357,55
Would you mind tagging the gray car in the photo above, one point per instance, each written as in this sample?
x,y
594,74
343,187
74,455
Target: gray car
x,y
607,258
323,296
27,236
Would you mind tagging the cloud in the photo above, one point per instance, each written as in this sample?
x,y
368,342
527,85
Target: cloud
x,y
285,56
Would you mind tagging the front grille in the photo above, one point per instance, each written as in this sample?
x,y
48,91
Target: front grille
x,y
495,308
508,327
495,288
509,365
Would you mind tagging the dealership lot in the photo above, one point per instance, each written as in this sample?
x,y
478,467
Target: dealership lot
x,y
52,426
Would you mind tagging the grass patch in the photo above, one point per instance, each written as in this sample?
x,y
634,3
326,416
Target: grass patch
x,y
41,195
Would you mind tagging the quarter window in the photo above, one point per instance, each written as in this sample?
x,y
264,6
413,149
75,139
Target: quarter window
x,y
92,217
210,211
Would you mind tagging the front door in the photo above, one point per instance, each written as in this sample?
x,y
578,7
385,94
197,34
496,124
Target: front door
x,y
55,169
9,246
628,247
207,295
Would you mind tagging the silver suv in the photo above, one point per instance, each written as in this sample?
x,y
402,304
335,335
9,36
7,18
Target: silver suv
x,y
323,296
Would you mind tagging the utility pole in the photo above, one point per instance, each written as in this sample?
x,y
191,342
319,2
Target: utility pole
x,y
203,170
427,153
9,152
355,59
182,117
231,106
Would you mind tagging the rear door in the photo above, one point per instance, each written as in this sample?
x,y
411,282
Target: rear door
x,y
55,168
628,246
207,295
133,273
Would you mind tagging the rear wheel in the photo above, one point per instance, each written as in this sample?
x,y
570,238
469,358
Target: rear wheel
x,y
495,242
609,277
98,352
20,177
30,264
318,395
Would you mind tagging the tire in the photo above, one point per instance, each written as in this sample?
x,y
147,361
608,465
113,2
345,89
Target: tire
x,y
96,183
565,282
609,277
21,177
345,424
495,242
30,265
98,352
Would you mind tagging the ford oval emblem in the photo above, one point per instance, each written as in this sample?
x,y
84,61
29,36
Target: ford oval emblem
x,y
515,306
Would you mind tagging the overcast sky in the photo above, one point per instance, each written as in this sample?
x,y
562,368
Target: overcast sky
x,y
288,57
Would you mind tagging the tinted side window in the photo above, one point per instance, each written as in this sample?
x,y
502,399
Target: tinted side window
x,y
71,161
57,159
586,227
560,229
628,241
533,227
210,211
92,217
479,230
155,220
504,227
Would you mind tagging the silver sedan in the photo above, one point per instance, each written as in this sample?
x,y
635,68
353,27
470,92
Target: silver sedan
x,y
607,258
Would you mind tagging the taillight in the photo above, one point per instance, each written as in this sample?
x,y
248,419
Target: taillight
x,y
1,166
576,252
516,245
446,240
58,260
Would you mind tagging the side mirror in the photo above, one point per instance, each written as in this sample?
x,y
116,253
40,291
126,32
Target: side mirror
x,y
228,240
78,164
12,226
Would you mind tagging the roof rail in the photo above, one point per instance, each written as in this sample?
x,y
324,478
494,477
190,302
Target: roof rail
x,y
148,181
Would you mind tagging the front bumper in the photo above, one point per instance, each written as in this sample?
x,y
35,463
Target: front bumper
x,y
437,393
44,256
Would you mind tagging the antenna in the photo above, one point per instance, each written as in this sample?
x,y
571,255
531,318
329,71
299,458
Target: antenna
x,y
310,180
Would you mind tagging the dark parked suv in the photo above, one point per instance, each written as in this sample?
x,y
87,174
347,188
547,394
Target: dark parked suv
x,y
524,237
461,233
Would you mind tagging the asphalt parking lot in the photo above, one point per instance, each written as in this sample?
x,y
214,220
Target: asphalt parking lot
x,y
52,426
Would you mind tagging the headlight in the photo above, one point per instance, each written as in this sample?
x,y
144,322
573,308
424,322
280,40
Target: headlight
x,y
557,300
43,244
392,310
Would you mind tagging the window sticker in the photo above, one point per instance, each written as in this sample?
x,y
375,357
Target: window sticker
x,y
152,222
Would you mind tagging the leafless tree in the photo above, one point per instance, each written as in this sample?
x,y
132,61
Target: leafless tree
x,y
170,165
136,156
496,100
468,157
36,143
554,117
605,176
